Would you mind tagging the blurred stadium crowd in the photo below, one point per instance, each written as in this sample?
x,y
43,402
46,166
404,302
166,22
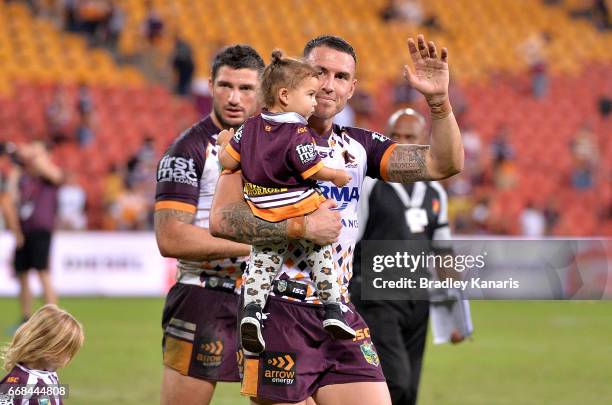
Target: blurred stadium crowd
x,y
108,84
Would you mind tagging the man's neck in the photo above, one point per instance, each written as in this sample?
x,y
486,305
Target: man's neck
x,y
321,126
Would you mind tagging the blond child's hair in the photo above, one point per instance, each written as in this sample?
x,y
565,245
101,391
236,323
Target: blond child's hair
x,y
51,337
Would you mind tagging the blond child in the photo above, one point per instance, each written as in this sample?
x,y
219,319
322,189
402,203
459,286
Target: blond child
x,y
48,341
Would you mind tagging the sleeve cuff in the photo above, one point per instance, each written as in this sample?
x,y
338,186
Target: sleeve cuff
x,y
175,205
308,173
384,162
232,152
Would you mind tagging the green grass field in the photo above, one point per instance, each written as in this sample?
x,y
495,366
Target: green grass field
x,y
521,353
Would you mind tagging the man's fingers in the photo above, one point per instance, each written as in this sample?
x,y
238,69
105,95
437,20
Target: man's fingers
x,y
432,50
414,53
422,47
444,55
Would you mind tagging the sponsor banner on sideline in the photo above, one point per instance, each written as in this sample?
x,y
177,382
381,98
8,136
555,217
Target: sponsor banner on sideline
x,y
97,263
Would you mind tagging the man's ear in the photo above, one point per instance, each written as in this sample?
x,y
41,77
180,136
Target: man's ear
x,y
283,95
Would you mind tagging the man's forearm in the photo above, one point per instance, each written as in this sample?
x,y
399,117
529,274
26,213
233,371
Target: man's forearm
x,y
231,218
7,209
442,159
49,171
446,146
237,222
177,238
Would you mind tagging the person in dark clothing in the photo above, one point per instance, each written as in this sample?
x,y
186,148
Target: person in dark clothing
x,y
38,179
393,211
183,66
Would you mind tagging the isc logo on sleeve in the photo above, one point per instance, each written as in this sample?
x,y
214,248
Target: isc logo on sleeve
x,y
177,170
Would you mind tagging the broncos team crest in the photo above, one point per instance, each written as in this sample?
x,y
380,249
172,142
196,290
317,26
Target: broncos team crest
x,y
370,354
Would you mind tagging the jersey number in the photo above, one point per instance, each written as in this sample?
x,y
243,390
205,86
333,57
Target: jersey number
x,y
417,219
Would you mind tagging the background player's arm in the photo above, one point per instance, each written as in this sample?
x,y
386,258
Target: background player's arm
x,y
444,156
9,213
228,162
177,237
337,176
44,167
231,218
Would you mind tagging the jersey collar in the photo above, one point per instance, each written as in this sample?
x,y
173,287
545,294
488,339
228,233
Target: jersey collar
x,y
37,373
210,128
284,118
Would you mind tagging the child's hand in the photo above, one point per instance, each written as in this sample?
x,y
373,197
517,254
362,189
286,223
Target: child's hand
x,y
342,178
224,137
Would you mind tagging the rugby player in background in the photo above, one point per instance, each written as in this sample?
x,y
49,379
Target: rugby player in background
x,y
394,212
302,360
200,313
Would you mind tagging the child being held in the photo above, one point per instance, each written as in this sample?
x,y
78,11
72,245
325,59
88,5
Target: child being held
x,y
280,164
45,343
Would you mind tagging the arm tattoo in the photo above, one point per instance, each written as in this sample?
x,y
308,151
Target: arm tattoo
x,y
162,216
407,164
240,225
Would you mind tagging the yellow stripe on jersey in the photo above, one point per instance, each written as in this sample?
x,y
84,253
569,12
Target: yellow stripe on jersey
x,y
303,207
314,169
384,162
232,152
175,205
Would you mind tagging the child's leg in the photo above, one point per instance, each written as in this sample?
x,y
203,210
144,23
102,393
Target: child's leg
x,y
264,263
325,278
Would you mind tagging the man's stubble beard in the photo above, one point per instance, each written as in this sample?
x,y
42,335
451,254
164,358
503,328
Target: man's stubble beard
x,y
224,124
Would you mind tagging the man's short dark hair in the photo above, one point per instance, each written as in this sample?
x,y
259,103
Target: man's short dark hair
x,y
330,41
237,57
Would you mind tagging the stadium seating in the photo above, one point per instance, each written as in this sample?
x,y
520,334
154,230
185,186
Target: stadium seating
x,y
483,36
36,58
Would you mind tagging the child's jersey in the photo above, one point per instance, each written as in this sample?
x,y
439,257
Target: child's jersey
x,y
277,156
361,153
24,386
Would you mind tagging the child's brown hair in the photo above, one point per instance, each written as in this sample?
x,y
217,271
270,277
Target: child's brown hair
x,y
283,72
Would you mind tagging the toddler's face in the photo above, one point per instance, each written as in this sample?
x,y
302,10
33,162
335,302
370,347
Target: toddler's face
x,y
302,99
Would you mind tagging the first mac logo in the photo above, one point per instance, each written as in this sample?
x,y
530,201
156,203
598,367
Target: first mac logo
x,y
177,170
279,368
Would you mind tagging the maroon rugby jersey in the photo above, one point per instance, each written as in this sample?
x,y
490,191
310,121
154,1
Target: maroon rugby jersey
x,y
37,203
21,376
187,175
277,157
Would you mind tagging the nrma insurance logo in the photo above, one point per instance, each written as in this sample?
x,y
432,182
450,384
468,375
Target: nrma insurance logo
x,y
343,195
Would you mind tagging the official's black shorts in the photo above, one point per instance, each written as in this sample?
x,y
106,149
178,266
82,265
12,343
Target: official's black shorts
x,y
34,254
